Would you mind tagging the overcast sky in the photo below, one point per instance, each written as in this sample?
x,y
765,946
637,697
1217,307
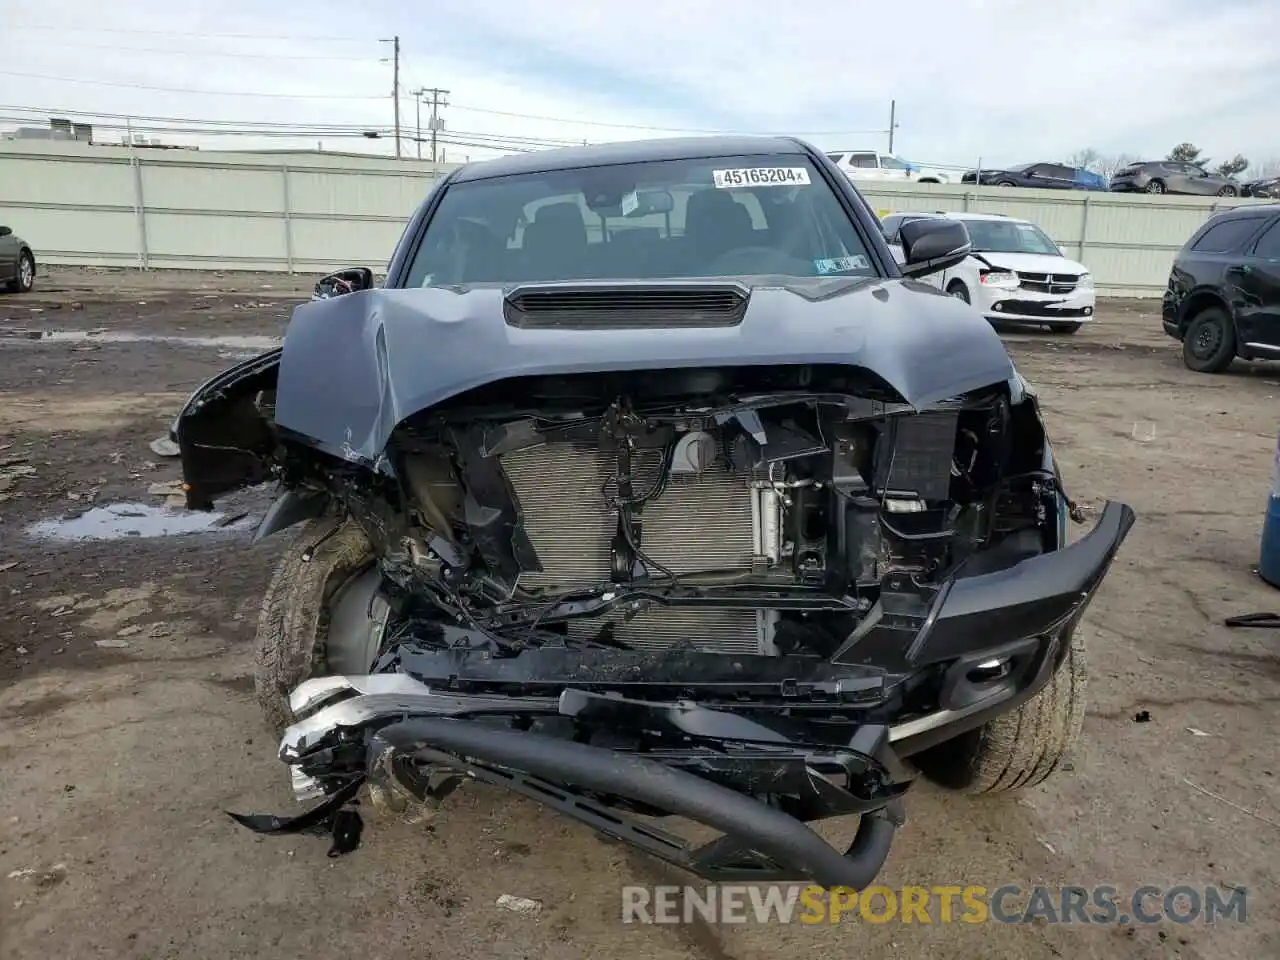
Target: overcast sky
x,y
1004,80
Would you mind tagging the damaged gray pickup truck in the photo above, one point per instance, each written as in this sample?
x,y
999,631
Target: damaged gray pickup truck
x,y
648,485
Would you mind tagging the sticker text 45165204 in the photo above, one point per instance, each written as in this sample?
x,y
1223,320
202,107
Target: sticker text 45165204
x,y
761,177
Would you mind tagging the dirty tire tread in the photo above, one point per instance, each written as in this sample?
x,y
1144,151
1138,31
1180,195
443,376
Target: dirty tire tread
x,y
1021,748
294,617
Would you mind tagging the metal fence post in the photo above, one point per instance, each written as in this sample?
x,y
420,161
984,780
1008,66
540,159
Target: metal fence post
x,y
967,195
288,217
139,209
1084,229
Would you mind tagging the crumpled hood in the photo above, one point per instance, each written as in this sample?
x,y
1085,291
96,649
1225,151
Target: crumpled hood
x,y
353,367
1034,263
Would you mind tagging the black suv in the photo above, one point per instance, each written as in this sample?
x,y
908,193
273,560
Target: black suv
x,y
1173,176
1223,299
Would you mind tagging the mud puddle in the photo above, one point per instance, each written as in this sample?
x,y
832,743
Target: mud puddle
x,y
247,342
119,521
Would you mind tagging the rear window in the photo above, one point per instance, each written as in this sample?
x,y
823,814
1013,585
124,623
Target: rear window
x,y
768,215
1226,236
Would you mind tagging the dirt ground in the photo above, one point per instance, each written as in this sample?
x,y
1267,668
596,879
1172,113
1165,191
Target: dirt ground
x,y
127,724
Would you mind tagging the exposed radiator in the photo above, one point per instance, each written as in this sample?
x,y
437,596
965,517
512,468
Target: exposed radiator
x,y
699,522
704,521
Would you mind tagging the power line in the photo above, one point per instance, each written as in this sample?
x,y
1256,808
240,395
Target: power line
x,y
639,126
163,51
188,90
248,127
43,112
316,38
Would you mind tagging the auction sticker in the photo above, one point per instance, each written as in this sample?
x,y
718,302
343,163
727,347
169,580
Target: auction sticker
x,y
760,177
837,264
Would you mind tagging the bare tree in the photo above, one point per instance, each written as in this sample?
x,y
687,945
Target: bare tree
x,y
1086,159
1264,170
1108,164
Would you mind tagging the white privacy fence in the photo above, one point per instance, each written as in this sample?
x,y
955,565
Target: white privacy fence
x,y
306,212
300,212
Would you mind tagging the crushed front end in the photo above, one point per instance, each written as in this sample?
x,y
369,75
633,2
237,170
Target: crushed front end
x,y
744,596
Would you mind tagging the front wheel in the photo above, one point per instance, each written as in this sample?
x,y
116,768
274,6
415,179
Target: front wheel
x,y
318,616
1018,749
1209,345
1155,186
25,278
1227,192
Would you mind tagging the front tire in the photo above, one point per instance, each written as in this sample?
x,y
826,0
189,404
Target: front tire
x,y
1209,345
1228,192
1155,186
1019,749
26,277
326,577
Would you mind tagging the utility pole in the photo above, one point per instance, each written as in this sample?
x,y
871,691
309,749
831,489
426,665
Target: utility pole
x,y
437,101
417,110
893,122
395,84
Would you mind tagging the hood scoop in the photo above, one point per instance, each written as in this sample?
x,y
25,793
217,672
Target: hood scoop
x,y
626,306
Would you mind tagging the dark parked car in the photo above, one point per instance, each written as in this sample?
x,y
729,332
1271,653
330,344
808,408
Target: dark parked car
x,y
1223,299
649,483
1267,188
1043,176
17,262
1173,176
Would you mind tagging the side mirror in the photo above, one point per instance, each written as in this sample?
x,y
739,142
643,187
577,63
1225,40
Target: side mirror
x,y
6,231
344,281
929,246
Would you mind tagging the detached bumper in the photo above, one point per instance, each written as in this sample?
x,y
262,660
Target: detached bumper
x,y
758,772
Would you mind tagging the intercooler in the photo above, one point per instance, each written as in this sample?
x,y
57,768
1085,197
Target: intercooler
x,y
709,520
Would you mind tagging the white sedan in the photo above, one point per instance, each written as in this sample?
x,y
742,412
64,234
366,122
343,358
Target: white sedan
x,y
1015,272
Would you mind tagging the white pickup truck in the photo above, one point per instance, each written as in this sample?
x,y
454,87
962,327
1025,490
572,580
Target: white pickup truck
x,y
874,165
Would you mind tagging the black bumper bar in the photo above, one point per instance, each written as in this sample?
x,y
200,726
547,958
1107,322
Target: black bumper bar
x,y
760,842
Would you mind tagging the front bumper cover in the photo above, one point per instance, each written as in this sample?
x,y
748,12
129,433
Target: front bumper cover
x,y
757,772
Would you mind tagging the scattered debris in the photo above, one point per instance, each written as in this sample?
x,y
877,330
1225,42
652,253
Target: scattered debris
x,y
1233,806
1253,620
21,651
166,488
1047,845
1198,733
521,905
8,566
43,879
164,447
129,631
10,474
1142,716
111,644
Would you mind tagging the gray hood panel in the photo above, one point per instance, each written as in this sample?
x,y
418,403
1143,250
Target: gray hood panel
x,y
355,366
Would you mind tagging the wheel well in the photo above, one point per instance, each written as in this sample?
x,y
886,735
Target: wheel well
x,y
27,250
928,180
957,282
1196,304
